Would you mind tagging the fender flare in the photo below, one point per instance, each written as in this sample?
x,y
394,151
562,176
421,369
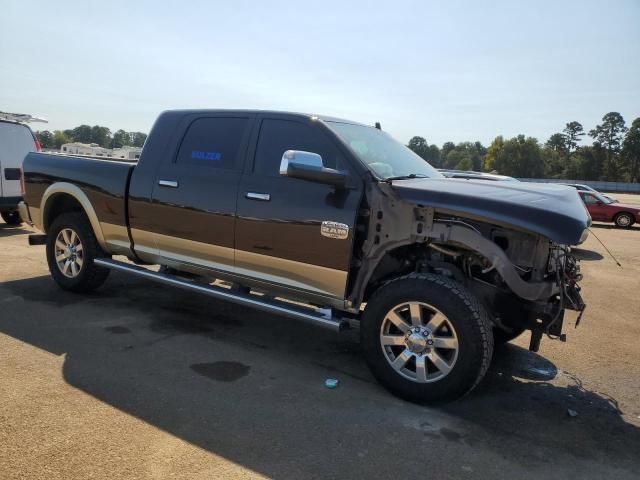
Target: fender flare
x,y
75,192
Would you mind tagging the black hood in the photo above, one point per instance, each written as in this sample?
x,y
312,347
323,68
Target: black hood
x,y
554,211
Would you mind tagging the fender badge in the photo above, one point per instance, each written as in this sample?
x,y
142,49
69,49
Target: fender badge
x,y
334,230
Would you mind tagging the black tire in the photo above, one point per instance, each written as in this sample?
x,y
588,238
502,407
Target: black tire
x,y
501,336
89,276
11,218
461,309
624,220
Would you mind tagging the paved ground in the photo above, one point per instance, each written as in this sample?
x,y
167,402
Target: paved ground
x,y
141,381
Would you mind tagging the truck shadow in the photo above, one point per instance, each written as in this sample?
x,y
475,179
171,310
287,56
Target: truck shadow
x,y
586,255
611,226
10,230
249,387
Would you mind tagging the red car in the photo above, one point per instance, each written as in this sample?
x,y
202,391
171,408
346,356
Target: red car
x,y
604,209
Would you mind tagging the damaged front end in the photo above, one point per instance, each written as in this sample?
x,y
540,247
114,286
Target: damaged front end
x,y
564,268
525,280
545,315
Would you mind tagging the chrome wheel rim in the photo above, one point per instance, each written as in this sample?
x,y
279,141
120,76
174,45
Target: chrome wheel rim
x,y
624,220
419,342
69,253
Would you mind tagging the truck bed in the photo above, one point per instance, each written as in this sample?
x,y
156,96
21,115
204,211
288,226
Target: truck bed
x,y
92,157
104,181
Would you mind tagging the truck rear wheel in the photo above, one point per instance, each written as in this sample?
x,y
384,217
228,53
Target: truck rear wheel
x,y
11,218
426,338
71,250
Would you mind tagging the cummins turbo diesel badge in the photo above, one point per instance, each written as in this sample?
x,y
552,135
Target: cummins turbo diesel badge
x,y
334,230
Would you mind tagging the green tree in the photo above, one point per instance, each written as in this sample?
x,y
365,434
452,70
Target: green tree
x,y
419,146
60,138
465,162
465,156
444,151
434,156
430,153
80,134
558,142
555,162
456,159
555,155
631,151
120,139
587,163
101,136
572,133
45,137
492,153
518,157
610,134
138,138
478,158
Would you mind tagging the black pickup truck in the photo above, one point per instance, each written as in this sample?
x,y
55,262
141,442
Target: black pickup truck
x,y
327,221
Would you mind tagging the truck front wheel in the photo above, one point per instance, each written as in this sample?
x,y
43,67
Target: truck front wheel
x,y
426,338
71,250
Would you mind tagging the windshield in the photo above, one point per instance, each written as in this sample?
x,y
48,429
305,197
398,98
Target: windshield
x,y
383,155
601,198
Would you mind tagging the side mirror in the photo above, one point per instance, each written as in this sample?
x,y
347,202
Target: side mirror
x,y
309,166
599,203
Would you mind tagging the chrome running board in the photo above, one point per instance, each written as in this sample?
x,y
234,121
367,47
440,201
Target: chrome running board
x,y
316,316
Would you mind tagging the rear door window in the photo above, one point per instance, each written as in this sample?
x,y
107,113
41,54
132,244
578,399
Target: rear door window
x,y
213,142
278,136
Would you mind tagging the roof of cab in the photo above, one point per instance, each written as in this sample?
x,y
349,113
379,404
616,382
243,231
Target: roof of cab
x,y
278,113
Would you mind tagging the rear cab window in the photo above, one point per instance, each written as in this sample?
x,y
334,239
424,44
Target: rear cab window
x,y
213,143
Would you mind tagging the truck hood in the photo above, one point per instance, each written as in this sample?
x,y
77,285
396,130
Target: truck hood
x,y
553,211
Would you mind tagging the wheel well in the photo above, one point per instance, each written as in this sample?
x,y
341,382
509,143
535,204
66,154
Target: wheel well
x,y
395,262
58,204
413,257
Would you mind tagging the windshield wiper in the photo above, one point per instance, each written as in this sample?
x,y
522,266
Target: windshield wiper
x,y
406,177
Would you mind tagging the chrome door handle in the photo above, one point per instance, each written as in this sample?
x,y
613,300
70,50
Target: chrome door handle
x,y
264,197
168,183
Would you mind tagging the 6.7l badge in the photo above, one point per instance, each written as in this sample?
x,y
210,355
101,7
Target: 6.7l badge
x,y
334,230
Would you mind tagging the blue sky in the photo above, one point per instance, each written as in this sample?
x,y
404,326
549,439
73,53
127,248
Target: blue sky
x,y
443,70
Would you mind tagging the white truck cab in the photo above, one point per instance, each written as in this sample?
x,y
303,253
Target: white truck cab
x,y
16,140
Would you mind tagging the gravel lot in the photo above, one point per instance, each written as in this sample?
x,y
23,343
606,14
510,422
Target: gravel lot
x,y
142,381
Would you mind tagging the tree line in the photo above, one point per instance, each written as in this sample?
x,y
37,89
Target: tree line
x,y
87,134
613,156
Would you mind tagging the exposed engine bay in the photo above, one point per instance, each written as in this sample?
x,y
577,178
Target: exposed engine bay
x,y
536,260
524,280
